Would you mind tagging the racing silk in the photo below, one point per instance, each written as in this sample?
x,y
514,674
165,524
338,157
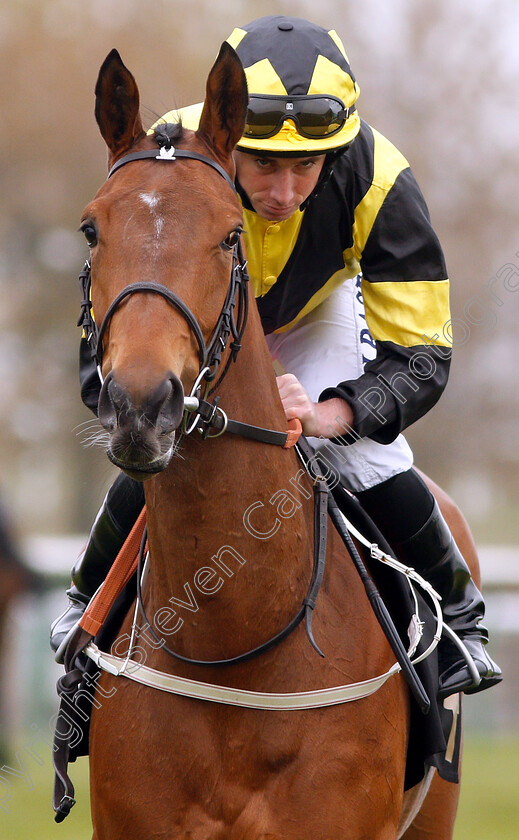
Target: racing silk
x,y
370,217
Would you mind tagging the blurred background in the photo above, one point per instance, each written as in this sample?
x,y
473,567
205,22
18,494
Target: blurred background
x,y
440,79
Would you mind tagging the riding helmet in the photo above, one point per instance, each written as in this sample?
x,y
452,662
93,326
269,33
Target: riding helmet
x,y
300,86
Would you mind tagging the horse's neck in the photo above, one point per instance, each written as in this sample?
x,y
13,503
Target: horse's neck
x,y
230,514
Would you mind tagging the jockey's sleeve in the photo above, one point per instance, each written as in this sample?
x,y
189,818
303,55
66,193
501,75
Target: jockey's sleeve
x,y
406,296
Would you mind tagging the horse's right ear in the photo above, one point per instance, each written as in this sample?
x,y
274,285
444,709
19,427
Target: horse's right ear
x,y
117,106
225,107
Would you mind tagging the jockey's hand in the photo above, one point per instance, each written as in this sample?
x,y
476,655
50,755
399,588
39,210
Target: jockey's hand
x,y
317,419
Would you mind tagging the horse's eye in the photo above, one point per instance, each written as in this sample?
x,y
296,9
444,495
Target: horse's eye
x,y
89,233
232,240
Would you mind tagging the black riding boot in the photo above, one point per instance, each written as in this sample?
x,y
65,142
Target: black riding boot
x,y
113,523
432,551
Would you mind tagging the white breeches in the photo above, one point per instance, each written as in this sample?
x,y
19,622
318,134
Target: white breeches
x,y
329,345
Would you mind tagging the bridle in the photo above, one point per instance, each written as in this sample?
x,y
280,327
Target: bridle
x,y
228,322
209,418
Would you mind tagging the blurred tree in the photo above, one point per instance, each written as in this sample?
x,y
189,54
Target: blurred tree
x,y
439,79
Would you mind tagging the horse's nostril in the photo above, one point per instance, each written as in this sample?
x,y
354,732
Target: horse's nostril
x,y
108,404
170,401
118,395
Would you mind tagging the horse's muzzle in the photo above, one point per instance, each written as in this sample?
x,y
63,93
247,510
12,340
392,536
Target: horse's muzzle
x,y
141,424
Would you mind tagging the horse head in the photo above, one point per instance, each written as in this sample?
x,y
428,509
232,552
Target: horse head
x,y
162,232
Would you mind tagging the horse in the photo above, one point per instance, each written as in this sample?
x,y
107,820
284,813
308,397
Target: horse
x,y
230,529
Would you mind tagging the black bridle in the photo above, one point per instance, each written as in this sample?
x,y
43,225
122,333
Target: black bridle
x,y
209,361
228,323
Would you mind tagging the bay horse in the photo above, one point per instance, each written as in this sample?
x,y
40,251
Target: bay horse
x,y
230,530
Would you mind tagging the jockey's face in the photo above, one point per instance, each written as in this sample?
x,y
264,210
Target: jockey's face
x,y
276,186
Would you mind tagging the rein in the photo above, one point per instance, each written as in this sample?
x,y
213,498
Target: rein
x,y
305,611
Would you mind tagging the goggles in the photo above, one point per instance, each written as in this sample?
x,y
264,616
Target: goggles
x,y
315,116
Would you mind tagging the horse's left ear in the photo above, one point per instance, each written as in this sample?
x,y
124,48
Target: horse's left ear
x,y
225,107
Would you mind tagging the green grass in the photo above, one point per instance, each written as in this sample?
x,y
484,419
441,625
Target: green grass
x,y
489,804
489,808
31,816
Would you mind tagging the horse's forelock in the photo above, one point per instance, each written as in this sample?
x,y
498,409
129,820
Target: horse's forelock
x,y
167,133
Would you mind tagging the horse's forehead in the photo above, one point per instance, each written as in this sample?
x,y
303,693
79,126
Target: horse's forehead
x,y
179,187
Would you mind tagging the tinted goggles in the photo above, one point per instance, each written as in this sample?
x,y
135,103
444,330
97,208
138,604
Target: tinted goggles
x,y
314,115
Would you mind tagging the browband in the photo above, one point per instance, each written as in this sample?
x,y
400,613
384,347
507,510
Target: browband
x,y
170,154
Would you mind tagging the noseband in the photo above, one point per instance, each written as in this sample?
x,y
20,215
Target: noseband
x,y
209,355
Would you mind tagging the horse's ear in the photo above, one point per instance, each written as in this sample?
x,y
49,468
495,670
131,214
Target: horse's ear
x,y
225,107
117,105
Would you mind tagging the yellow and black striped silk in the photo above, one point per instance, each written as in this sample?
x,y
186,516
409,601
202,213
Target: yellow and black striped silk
x,y
371,216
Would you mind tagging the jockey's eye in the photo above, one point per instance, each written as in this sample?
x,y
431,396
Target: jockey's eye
x,y
232,240
90,233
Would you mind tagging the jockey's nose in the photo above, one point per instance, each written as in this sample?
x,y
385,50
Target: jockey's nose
x,y
282,187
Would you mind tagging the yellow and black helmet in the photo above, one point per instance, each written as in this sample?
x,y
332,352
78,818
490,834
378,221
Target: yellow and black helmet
x,y
302,92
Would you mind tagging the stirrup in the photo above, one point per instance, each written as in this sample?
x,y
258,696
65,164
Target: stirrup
x,y
471,665
475,680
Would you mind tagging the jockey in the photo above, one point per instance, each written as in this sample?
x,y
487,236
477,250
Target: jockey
x,y
352,291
